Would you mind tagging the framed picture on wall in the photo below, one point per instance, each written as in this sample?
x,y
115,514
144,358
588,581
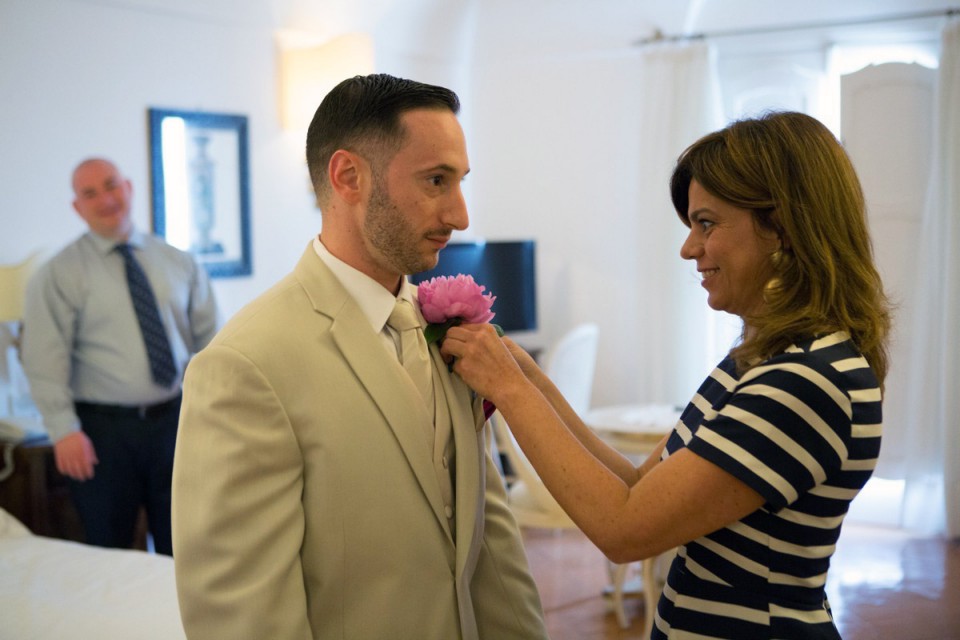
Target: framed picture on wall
x,y
201,194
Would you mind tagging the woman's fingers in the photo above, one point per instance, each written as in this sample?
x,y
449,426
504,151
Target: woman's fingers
x,y
481,358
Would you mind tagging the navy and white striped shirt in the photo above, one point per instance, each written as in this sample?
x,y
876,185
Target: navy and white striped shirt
x,y
803,430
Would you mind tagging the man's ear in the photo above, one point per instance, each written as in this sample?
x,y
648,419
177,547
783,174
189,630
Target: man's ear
x,y
348,174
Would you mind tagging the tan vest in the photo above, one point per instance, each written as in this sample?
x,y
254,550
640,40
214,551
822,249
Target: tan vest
x,y
444,453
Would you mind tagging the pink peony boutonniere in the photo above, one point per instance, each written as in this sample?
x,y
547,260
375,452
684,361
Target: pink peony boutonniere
x,y
446,301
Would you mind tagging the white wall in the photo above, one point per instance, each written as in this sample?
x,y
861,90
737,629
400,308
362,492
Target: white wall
x,y
558,155
574,188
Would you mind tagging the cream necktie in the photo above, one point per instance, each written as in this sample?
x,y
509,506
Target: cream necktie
x,y
414,354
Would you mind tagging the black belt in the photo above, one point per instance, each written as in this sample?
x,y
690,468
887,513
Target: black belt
x,y
140,411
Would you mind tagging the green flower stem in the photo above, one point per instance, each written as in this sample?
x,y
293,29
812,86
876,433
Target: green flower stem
x,y
436,332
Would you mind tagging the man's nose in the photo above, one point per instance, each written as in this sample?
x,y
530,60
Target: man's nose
x,y
456,215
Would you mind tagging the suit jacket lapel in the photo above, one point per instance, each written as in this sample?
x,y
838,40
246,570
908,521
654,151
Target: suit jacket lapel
x,y
382,377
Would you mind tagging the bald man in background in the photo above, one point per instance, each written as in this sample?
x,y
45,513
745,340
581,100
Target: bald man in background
x,y
111,410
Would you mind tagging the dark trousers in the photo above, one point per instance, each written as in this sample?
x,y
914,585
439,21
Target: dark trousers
x,y
135,449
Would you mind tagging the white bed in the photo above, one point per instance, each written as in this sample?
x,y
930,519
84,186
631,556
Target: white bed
x,y
53,589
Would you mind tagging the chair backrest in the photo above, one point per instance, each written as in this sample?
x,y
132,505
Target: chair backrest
x,y
529,499
571,363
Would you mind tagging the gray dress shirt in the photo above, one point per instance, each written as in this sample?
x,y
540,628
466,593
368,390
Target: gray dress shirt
x,y
81,340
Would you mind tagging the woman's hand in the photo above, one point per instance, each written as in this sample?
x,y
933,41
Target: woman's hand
x,y
485,361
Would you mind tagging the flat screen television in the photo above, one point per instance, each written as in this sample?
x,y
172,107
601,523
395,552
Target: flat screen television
x,y
506,268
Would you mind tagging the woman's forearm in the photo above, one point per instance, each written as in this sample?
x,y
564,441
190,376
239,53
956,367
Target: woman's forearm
x,y
610,457
583,484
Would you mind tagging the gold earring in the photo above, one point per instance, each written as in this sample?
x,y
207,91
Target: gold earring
x,y
777,258
771,288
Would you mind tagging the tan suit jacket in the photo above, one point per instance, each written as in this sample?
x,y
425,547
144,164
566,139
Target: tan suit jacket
x,y
305,498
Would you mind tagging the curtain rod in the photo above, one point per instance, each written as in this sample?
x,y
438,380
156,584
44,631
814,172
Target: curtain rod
x,y
658,36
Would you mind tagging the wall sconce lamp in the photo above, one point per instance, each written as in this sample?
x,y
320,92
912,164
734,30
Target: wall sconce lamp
x,y
308,73
13,284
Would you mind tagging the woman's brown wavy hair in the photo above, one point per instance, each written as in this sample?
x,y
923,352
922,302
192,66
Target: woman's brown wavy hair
x,y
796,179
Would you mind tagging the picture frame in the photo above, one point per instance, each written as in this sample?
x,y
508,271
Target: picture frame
x,y
199,169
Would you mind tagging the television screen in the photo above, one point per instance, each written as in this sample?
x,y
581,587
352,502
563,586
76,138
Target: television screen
x,y
506,269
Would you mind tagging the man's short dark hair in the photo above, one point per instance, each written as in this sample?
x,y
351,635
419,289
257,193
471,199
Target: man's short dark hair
x,y
362,115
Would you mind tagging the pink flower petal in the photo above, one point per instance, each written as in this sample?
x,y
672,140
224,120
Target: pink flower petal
x,y
446,297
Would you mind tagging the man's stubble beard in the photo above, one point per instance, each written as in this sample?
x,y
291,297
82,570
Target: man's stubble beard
x,y
391,234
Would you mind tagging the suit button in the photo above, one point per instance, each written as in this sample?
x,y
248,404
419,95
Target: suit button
x,y
446,463
449,511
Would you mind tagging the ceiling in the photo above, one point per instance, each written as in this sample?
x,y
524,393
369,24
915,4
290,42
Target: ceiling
x,y
532,27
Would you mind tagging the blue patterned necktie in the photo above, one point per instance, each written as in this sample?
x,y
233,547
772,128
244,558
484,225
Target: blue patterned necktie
x,y
148,315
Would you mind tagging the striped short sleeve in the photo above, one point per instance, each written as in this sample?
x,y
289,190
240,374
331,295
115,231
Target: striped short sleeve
x,y
788,424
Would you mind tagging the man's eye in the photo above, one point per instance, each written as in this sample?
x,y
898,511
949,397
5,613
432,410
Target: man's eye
x,y
436,181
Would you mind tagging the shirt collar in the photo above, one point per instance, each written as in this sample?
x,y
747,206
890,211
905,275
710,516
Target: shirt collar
x,y
375,302
106,245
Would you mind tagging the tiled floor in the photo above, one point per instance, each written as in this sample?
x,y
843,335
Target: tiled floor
x,y
883,585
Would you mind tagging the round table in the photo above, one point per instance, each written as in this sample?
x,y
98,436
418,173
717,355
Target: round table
x,y
633,429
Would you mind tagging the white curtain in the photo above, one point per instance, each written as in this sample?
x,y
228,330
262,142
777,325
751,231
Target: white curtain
x,y
932,488
682,103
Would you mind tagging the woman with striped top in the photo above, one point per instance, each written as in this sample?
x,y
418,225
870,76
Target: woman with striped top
x,y
753,483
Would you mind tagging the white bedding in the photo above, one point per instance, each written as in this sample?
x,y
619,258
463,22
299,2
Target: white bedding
x,y
53,589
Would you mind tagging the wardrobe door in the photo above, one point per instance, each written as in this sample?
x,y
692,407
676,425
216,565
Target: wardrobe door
x,y
887,128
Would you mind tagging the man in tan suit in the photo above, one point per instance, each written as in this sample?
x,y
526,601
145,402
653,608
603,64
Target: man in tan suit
x,y
318,491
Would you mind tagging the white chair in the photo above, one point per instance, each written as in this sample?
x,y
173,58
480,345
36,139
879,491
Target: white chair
x,y
571,363
531,503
